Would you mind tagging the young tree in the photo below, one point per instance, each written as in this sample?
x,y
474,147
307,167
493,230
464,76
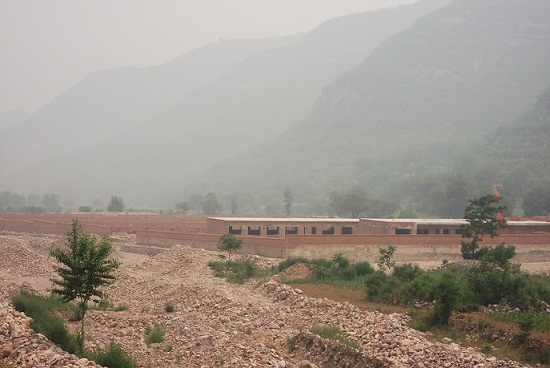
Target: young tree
x,y
229,243
116,204
481,214
385,262
85,267
445,293
288,201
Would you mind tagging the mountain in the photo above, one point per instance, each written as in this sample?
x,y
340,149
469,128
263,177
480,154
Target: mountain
x,y
418,99
111,102
256,100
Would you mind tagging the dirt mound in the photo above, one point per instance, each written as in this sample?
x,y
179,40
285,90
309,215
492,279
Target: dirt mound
x,y
300,271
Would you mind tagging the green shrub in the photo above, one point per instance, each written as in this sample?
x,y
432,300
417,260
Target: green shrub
x,y
113,357
236,271
348,273
363,268
321,262
445,294
154,335
41,310
340,261
406,272
169,307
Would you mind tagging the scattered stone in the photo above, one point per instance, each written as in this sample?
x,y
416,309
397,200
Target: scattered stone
x,y
214,322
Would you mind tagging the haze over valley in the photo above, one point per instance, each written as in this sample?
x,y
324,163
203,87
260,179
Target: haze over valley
x,y
419,107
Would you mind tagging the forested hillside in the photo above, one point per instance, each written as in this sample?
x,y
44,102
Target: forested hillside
x,y
393,125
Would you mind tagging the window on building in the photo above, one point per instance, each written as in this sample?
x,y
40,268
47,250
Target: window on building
x,y
237,230
253,231
438,231
292,230
328,231
314,230
446,231
422,231
403,231
347,230
273,230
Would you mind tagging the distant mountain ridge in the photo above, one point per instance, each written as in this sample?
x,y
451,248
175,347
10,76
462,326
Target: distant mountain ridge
x,y
110,102
253,102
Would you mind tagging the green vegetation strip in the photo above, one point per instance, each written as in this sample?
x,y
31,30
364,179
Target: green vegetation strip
x,y
46,320
540,320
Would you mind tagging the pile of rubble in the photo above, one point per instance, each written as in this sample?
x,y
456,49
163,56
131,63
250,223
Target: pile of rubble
x,y
213,323
20,346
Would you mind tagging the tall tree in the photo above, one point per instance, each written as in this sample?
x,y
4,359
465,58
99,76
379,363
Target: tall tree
x,y
234,205
288,197
211,205
85,267
11,200
182,208
51,202
481,214
456,196
350,203
536,201
116,204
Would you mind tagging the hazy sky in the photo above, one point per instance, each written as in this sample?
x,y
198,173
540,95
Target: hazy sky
x,y
48,46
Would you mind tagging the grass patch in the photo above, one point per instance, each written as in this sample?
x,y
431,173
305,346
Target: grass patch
x,y
154,335
45,320
332,332
338,271
113,357
237,272
541,321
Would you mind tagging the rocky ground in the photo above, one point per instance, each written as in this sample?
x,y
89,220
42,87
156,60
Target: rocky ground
x,y
214,323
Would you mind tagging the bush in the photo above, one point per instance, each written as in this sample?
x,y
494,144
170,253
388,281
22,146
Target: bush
x,y
169,307
236,272
154,335
340,261
406,272
113,357
445,294
363,268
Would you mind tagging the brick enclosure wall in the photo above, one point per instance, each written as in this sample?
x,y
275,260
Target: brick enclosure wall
x,y
410,248
168,230
104,223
